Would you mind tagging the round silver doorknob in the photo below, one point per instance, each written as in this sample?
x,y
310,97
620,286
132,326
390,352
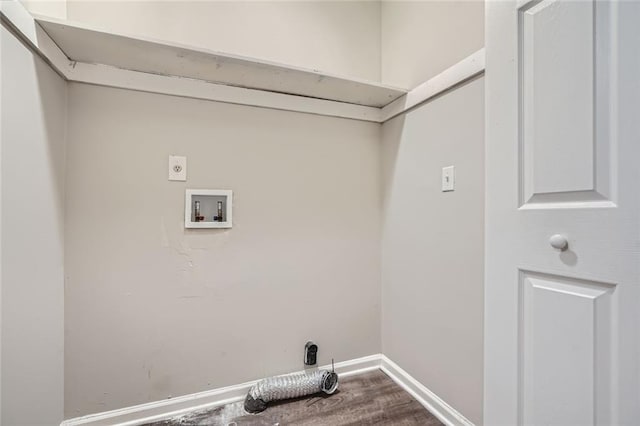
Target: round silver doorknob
x,y
559,242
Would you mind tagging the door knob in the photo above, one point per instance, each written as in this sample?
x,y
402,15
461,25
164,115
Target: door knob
x,y
559,242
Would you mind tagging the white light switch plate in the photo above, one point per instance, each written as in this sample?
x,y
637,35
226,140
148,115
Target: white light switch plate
x,y
177,168
448,178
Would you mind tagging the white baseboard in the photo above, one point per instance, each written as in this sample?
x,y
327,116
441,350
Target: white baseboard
x,y
443,411
154,411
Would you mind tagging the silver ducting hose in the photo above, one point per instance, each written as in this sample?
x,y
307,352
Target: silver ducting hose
x,y
289,386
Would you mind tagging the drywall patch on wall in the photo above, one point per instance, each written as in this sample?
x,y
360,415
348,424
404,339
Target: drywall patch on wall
x,y
433,246
154,310
420,39
32,178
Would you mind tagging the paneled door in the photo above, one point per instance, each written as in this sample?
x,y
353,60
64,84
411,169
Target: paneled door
x,y
562,283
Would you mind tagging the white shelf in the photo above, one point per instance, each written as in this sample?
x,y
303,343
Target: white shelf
x,y
266,85
94,46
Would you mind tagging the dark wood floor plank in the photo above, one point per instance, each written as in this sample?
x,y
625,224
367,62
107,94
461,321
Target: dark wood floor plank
x,y
366,399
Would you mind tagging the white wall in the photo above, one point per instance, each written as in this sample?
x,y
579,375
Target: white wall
x,y
433,245
332,36
141,290
53,8
420,39
32,222
153,310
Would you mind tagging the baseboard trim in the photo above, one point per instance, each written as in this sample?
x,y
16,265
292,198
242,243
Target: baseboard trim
x,y
154,411
443,411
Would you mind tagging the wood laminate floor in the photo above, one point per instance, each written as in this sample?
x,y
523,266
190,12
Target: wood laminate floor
x,y
366,399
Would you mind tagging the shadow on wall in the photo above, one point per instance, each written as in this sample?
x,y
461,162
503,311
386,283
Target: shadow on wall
x,y
33,190
391,140
55,145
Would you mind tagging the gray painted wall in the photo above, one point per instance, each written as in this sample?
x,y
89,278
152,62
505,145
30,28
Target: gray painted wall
x,y
154,310
433,246
32,224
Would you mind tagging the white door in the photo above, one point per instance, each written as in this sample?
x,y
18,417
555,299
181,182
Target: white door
x,y
562,327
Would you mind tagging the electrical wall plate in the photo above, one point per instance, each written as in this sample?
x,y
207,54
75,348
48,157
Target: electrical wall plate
x,y
177,168
448,179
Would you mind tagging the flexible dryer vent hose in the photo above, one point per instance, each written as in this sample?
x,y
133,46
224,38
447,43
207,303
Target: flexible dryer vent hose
x,y
289,386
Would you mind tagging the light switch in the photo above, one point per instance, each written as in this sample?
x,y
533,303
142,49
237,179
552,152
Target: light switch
x,y
448,178
177,168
